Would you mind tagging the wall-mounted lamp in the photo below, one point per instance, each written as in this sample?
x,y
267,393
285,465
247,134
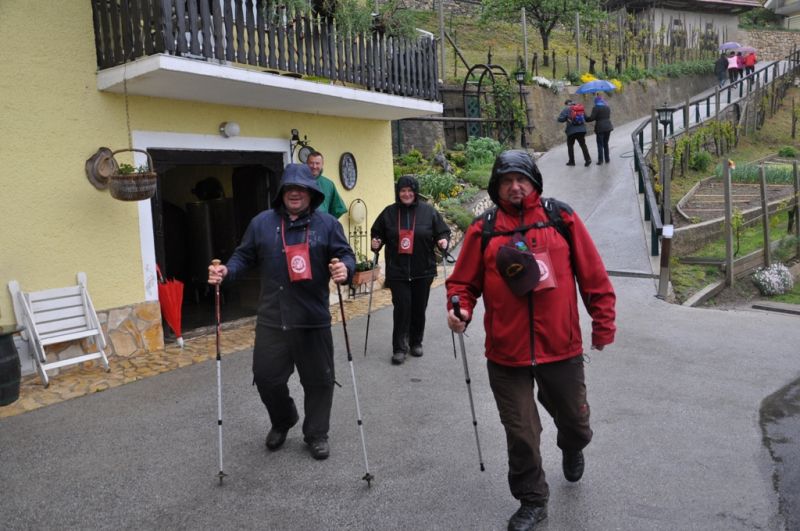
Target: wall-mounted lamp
x,y
229,129
301,146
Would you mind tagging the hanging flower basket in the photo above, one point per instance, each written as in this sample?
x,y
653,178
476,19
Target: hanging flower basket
x,y
125,182
132,184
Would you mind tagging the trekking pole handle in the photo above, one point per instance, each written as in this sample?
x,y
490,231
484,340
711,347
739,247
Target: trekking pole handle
x,y
456,306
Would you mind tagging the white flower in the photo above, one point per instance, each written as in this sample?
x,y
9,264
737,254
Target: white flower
x,y
773,280
542,81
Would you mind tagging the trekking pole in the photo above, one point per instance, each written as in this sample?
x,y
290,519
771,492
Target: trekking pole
x,y
221,475
457,310
369,307
367,477
445,254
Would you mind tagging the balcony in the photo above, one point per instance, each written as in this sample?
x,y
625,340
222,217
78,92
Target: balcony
x,y
255,53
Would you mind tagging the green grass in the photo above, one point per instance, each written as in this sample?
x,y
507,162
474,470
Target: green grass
x,y
793,297
751,239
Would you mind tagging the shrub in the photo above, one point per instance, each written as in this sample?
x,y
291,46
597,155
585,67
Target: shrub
x,y
700,161
438,186
458,215
787,152
457,158
478,176
773,280
482,150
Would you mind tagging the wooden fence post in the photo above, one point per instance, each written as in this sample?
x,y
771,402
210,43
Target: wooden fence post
x,y
726,184
765,214
796,179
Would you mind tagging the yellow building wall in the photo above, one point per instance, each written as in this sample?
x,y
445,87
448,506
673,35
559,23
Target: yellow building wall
x,y
55,223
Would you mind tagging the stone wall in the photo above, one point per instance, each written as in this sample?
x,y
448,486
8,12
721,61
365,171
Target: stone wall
x,y
634,102
456,7
129,331
771,45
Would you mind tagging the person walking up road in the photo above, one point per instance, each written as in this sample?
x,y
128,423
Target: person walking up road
x,y
411,230
721,69
576,132
294,246
601,116
522,264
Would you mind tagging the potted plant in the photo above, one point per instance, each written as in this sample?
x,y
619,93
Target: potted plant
x,y
366,270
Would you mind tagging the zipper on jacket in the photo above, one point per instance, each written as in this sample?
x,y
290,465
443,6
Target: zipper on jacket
x,y
530,328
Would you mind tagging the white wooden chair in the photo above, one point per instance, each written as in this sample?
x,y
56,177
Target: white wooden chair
x,y
55,316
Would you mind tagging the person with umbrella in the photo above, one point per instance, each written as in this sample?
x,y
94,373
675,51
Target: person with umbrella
x,y
601,116
733,67
298,250
750,61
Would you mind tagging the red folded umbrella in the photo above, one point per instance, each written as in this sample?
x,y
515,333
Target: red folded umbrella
x,y
170,297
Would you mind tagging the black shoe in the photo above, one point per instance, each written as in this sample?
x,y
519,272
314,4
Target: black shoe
x,y
570,164
599,162
398,357
276,438
527,516
416,351
319,448
588,162
572,464
608,161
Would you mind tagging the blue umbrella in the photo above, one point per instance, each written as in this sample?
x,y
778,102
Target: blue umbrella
x,y
598,85
729,46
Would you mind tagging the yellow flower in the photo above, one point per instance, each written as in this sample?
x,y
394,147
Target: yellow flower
x,y
585,78
617,83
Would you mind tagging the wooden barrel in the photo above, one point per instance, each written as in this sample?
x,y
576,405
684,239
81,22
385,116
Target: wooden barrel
x,y
9,368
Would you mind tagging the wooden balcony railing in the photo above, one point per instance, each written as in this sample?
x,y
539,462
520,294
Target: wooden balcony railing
x,y
263,34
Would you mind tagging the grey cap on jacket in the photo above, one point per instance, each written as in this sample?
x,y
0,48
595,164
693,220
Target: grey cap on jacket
x,y
513,161
299,175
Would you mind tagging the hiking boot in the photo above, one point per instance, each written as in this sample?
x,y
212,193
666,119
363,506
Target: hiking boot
x,y
599,162
527,516
276,438
416,351
570,164
572,464
398,357
588,162
319,448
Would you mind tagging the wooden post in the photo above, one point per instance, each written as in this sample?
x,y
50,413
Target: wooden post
x,y
666,182
687,116
796,175
524,39
441,40
578,43
794,121
726,183
765,214
654,129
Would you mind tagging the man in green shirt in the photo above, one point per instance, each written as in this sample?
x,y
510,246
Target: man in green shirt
x,y
333,203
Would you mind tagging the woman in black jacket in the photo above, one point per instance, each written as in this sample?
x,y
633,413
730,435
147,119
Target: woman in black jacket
x,y
601,115
411,230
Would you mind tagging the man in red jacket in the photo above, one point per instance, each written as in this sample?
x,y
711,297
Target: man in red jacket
x,y
526,272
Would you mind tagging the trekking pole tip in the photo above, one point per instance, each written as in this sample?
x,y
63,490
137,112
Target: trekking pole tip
x,y
221,475
483,468
368,478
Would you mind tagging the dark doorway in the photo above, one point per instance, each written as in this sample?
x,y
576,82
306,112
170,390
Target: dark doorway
x,y
203,204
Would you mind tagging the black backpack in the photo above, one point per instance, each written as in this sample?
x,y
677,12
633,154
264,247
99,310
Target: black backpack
x,y
553,207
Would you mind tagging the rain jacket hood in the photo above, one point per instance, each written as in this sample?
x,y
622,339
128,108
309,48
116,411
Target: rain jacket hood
x,y
406,181
513,161
299,175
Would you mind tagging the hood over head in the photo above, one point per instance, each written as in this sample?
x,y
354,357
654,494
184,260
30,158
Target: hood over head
x,y
406,181
513,161
299,175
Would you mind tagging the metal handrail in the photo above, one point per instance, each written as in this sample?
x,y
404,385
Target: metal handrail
x,y
652,210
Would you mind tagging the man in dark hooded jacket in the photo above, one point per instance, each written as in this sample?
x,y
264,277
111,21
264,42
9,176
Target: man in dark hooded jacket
x,y
411,230
526,272
298,250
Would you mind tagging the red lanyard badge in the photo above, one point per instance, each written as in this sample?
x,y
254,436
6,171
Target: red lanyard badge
x,y
405,243
298,259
